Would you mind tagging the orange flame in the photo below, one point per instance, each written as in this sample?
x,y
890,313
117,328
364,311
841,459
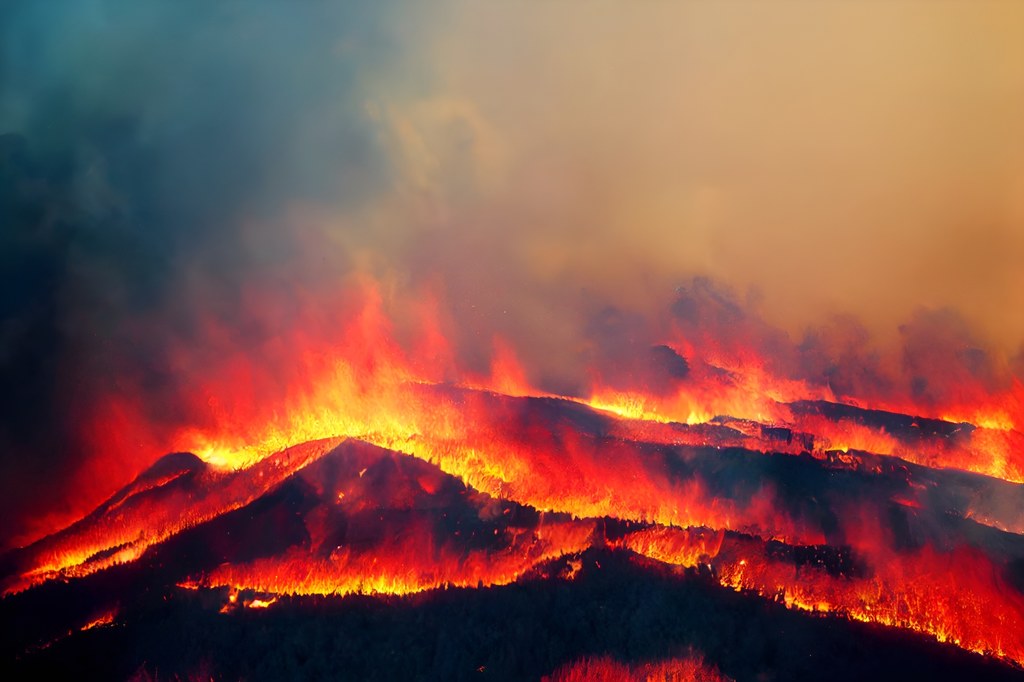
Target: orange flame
x,y
254,407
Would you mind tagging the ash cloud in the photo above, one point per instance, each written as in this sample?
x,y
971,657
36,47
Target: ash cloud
x,y
148,153
835,159
552,175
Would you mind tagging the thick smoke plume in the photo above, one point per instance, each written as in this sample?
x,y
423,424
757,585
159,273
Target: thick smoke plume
x,y
182,180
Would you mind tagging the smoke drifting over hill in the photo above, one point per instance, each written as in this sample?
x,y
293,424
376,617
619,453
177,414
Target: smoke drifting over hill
x,y
185,181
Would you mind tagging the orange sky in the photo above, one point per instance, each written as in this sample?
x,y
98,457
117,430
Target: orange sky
x,y
861,157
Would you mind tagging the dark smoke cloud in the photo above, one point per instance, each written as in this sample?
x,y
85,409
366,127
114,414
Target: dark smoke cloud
x,y
149,152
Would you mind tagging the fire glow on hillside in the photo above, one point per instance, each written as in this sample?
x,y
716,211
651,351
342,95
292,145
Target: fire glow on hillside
x,y
503,340
413,482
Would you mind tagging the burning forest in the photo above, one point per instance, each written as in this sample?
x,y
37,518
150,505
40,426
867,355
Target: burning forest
x,y
372,479
323,356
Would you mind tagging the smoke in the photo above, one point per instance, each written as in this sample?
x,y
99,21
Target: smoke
x,y
152,152
551,173
822,159
838,156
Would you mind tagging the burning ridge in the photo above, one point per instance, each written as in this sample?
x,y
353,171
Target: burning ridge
x,y
375,477
865,536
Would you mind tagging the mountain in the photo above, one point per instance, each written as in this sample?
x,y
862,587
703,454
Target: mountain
x,y
740,549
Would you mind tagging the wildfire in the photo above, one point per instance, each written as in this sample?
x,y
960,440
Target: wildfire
x,y
956,597
655,458
100,621
407,566
690,667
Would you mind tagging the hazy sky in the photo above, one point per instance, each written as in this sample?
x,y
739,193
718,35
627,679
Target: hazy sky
x,y
865,157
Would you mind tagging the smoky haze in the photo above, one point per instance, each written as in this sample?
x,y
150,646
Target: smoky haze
x,y
840,156
551,171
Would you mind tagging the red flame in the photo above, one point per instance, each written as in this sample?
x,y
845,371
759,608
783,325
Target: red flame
x,y
255,407
690,667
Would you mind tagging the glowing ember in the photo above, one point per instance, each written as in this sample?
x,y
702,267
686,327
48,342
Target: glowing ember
x,y
105,619
691,667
